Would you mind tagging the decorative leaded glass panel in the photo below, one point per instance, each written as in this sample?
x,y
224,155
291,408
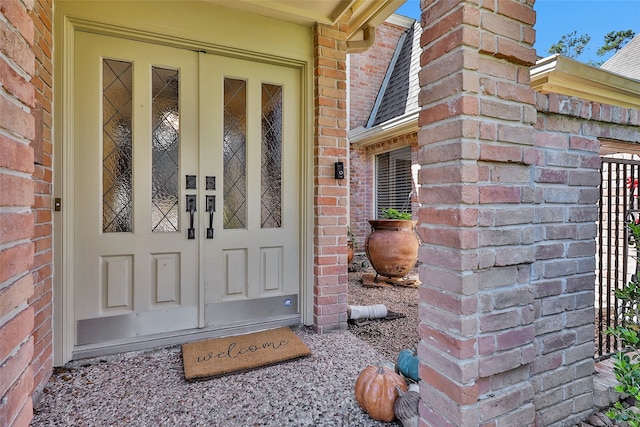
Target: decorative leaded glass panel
x,y
165,149
271,169
117,147
235,154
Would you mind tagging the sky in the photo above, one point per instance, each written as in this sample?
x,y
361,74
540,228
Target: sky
x,y
554,18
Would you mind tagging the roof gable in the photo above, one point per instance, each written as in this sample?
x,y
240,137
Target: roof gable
x,y
400,88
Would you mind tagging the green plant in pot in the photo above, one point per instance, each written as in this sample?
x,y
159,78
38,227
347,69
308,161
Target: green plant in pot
x,y
391,213
392,245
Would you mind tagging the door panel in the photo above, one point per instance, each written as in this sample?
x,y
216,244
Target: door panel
x,y
135,139
250,129
156,127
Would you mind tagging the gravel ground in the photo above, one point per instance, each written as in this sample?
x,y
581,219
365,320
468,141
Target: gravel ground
x,y
388,337
149,389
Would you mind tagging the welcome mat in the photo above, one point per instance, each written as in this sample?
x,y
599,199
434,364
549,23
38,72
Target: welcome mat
x,y
221,356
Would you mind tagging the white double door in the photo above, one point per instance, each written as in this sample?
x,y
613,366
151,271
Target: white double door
x,y
161,137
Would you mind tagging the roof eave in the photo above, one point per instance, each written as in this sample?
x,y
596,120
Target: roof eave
x,y
566,76
401,125
369,13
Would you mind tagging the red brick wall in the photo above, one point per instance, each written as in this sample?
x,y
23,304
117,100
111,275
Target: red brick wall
x,y
367,70
508,219
42,271
17,99
477,214
568,176
330,194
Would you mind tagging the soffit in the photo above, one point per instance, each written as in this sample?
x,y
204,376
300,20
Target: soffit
x,y
361,13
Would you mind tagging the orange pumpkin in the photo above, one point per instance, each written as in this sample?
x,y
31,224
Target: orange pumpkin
x,y
376,391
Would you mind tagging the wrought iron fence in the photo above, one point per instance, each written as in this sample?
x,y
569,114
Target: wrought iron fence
x,y
615,257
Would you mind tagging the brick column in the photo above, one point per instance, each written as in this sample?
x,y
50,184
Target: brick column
x,y
477,207
330,195
16,218
42,299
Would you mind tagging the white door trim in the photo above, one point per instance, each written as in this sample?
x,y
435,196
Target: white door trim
x,y
64,321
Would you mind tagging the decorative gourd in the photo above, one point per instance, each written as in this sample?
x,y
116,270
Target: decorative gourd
x,y
376,391
387,364
406,408
408,364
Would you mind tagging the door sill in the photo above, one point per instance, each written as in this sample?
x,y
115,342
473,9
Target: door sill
x,y
165,340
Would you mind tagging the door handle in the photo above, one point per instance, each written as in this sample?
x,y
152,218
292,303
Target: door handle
x,y
211,208
191,208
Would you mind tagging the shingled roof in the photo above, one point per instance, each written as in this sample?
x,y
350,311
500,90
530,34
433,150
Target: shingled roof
x,y
625,61
399,91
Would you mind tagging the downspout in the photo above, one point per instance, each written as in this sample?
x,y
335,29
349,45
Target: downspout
x,y
368,38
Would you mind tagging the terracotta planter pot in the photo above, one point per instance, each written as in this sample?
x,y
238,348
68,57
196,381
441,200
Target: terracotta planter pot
x,y
392,246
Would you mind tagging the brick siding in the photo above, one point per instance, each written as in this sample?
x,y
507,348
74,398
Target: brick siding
x,y
508,211
508,203
17,101
330,194
498,346
42,271
367,70
567,133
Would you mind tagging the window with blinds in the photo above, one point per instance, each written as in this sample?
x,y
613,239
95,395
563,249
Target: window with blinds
x,y
393,180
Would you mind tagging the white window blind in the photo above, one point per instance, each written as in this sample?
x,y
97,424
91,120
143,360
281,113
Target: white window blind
x,y
393,180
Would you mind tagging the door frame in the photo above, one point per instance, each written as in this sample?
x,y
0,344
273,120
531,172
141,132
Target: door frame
x,y
65,27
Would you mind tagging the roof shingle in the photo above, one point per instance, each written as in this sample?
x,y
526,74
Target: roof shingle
x,y
400,88
625,62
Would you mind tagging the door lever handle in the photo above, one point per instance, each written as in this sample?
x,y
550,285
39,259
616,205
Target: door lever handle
x,y
211,208
191,208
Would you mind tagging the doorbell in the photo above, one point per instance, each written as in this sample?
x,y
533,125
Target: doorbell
x,y
339,166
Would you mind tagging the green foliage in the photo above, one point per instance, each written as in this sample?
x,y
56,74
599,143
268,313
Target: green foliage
x,y
391,213
627,371
629,297
570,45
626,366
635,232
614,41
351,237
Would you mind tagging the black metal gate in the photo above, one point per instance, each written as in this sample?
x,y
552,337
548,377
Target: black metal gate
x,y
616,261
